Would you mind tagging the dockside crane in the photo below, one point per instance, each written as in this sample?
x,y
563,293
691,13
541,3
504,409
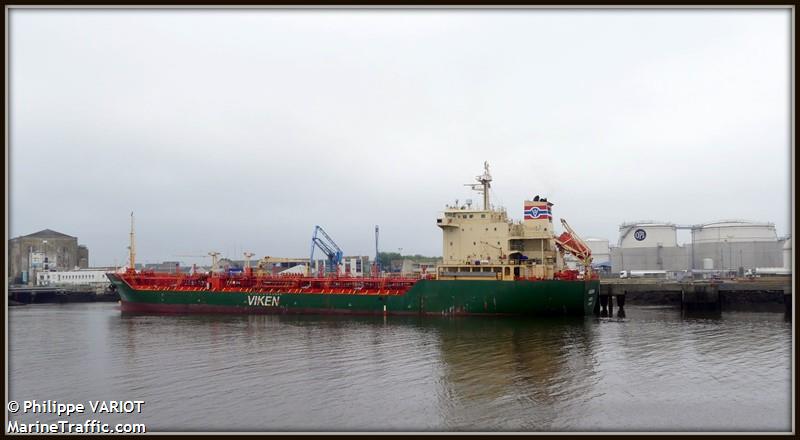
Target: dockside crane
x,y
325,243
570,241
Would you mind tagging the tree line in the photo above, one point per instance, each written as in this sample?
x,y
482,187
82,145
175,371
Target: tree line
x,y
385,258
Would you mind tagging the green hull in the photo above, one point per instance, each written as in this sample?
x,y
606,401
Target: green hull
x,y
432,297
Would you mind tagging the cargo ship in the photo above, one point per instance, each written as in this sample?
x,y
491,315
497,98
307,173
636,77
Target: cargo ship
x,y
491,265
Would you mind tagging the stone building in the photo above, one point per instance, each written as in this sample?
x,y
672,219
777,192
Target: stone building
x,y
45,250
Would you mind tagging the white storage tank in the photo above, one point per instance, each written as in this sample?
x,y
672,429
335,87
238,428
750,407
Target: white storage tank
x,y
600,249
647,234
733,231
787,254
708,263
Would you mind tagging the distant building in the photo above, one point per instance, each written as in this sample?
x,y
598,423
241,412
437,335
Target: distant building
x,y
166,266
356,266
82,277
41,251
411,266
275,265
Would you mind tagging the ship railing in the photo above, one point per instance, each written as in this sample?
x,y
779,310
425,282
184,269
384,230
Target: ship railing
x,y
238,282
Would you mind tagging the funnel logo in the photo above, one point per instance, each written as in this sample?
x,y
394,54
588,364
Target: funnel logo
x,y
639,234
537,212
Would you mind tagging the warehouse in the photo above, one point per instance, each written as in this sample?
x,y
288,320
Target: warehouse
x,y
43,251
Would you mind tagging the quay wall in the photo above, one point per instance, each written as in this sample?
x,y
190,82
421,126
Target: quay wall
x,y
757,296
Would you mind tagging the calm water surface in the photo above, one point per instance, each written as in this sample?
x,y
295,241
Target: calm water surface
x,y
654,370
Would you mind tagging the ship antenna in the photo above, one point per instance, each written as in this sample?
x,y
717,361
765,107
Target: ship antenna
x,y
132,248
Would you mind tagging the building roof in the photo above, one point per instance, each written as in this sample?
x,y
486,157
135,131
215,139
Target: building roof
x,y
646,223
48,233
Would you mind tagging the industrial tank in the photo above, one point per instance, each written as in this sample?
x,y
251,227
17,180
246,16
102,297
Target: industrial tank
x,y
647,234
787,254
733,231
600,249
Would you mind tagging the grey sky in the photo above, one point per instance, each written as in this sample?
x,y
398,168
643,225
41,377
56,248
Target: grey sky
x,y
237,130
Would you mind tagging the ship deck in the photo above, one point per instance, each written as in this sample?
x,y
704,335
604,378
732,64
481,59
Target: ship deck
x,y
249,283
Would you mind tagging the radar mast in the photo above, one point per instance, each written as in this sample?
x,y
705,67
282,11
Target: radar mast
x,y
483,187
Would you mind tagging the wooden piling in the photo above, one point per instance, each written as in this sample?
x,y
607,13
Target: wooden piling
x,y
621,304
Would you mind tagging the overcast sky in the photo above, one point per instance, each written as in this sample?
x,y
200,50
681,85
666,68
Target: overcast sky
x,y
239,130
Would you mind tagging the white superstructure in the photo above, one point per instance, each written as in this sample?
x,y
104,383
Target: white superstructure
x,y
78,277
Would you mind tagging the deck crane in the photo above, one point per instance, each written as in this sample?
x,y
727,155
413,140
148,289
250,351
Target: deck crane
x,y
570,241
326,244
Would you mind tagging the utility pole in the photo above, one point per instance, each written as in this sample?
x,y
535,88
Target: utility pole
x,y
377,265
132,248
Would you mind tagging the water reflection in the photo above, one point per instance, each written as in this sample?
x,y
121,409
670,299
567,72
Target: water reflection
x,y
656,369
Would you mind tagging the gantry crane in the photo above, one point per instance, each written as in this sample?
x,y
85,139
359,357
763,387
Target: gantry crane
x,y
326,244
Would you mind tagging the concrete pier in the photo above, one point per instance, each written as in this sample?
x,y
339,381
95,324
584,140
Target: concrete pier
x,y
31,295
759,295
701,298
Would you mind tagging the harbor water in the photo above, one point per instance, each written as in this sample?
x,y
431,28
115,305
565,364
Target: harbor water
x,y
656,369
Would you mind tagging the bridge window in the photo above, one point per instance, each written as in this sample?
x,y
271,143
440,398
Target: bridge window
x,y
483,215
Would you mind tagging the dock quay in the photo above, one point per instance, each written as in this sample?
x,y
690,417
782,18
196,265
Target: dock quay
x,y
761,295
18,295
